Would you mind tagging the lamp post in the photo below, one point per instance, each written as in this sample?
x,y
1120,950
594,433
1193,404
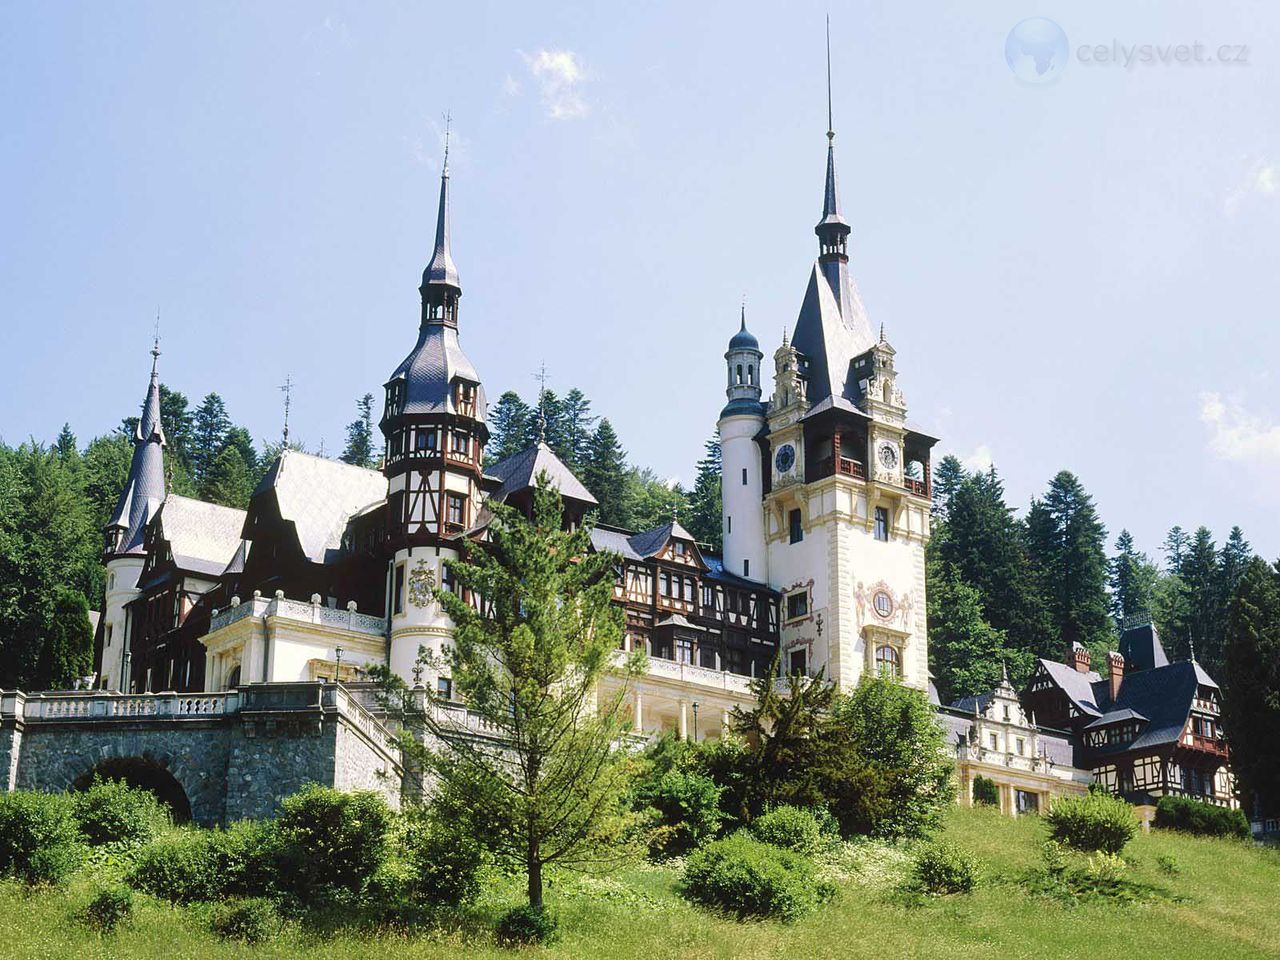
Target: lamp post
x,y
695,721
337,655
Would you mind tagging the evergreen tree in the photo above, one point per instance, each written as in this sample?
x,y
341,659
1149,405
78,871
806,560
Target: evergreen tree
x,y
1251,686
577,427
1132,580
548,414
359,450
605,473
1067,546
209,429
106,470
239,438
705,506
981,544
966,653
511,427
1199,573
948,475
1233,559
65,445
229,481
67,654
529,667
649,501
1175,545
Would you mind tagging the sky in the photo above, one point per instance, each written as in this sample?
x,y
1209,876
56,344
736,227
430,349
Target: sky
x,y
1078,274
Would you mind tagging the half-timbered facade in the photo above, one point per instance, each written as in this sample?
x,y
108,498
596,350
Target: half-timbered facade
x,y
1148,729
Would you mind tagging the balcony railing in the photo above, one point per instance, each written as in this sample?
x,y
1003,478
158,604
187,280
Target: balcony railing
x,y
316,613
845,467
919,487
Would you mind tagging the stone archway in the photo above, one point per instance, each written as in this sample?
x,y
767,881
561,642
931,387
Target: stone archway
x,y
145,774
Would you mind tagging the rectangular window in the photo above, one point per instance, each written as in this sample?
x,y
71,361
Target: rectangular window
x,y
797,664
1022,744
797,605
882,524
707,656
109,631
797,528
457,509
729,523
399,591
459,442
744,476
746,568
444,688
995,742
684,651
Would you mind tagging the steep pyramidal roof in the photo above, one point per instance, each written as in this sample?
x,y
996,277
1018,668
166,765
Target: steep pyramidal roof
x,y
144,490
441,270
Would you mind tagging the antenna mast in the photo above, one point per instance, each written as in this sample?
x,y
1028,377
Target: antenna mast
x,y
831,133
287,389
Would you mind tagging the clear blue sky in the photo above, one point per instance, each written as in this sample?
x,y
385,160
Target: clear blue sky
x,y
1082,274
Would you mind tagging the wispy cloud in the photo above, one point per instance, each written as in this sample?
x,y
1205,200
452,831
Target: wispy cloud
x,y
978,461
1236,434
559,75
1261,179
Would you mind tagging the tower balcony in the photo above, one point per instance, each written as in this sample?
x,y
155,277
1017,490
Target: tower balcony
x,y
844,466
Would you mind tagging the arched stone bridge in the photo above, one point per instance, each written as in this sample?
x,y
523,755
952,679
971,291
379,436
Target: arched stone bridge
x,y
213,757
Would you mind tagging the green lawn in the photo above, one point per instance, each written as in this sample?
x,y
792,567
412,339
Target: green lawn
x,y
1224,902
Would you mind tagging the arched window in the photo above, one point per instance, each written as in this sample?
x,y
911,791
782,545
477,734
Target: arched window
x,y
888,661
739,373
751,374
888,391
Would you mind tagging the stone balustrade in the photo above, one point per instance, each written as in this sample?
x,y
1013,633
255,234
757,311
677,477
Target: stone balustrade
x,y
107,706
301,611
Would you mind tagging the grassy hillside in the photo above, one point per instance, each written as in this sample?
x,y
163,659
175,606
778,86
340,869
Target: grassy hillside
x,y
1223,901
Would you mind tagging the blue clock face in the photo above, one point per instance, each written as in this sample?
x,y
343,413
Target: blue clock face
x,y
786,458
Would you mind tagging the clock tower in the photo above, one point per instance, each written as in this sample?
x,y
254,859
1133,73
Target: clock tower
x,y
846,499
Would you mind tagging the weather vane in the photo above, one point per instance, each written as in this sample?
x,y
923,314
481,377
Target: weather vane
x,y
287,389
541,377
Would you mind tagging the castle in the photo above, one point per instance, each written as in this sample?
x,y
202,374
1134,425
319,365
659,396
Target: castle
x,y
229,636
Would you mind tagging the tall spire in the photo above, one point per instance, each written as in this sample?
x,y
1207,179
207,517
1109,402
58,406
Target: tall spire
x,y
440,285
144,488
832,229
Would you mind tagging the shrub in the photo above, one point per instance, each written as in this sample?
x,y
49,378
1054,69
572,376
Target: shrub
x,y
686,809
747,878
182,867
39,839
1204,819
443,863
943,868
1168,865
985,792
327,839
791,828
520,926
108,909
1095,821
114,812
251,921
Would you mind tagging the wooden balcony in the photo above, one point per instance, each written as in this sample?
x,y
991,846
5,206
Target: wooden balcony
x,y
845,467
919,487
1207,744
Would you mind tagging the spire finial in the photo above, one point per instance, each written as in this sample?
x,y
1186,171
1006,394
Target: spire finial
x,y
882,331
831,133
287,389
448,122
541,377
744,311
155,346
785,341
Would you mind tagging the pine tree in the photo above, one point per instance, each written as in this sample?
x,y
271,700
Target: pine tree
x,y
705,506
510,427
1233,559
239,438
605,473
1132,580
1067,546
65,445
1251,686
649,501
578,425
1175,545
549,415
966,653
984,546
229,481
359,448
67,654
529,666
209,429
1199,573
948,475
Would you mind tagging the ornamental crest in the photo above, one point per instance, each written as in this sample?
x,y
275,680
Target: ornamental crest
x,y
422,584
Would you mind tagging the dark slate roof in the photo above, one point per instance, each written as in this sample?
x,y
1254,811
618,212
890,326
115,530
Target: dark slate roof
x,y
743,407
520,472
649,542
1079,687
1141,648
441,270
144,489
972,704
203,537
608,540
429,370
1162,696
830,335
716,571
319,496
1116,716
744,339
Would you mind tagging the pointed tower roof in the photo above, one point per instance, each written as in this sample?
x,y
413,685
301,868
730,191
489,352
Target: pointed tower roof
x,y
144,490
442,271
744,339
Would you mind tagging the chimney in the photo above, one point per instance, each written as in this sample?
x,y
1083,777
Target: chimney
x,y
1115,664
1078,657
